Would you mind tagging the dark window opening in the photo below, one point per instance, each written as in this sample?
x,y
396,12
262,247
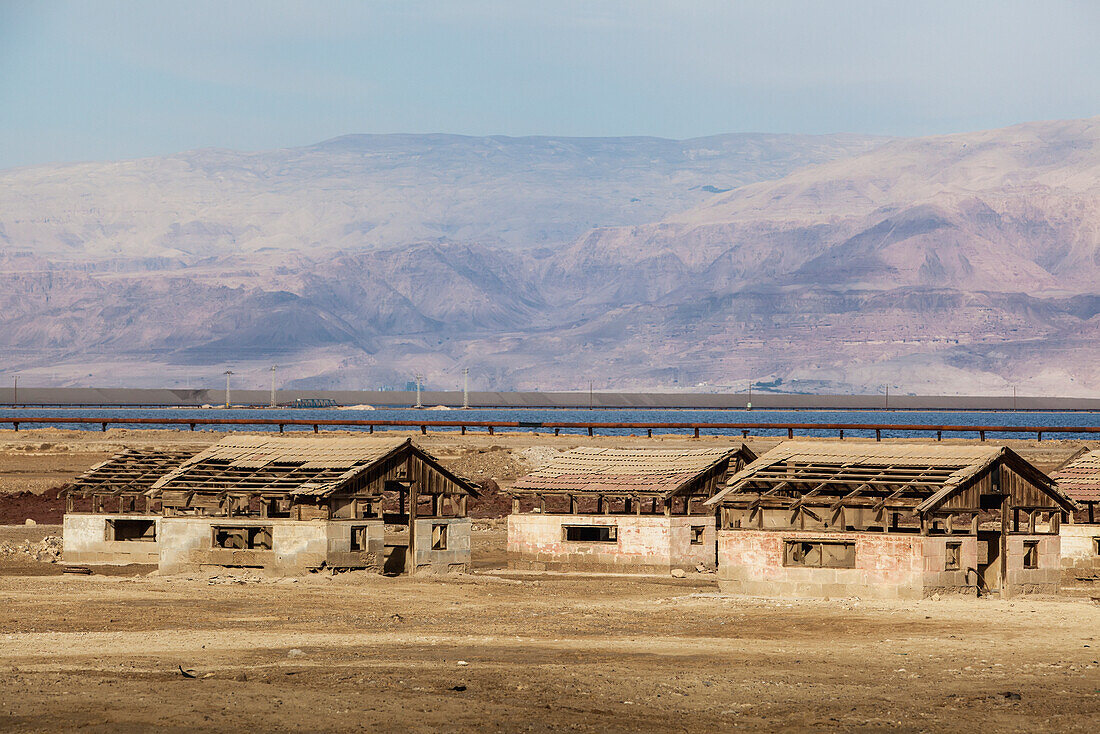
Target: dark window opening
x,y
1031,554
254,537
439,536
697,534
590,533
132,530
953,558
1096,546
819,554
360,535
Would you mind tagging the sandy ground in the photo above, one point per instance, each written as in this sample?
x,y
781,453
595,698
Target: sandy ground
x,y
498,651
493,651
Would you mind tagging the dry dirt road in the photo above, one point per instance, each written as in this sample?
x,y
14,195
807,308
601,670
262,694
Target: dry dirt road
x,y
493,651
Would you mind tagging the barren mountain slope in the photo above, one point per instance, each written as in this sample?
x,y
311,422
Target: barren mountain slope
x,y
375,191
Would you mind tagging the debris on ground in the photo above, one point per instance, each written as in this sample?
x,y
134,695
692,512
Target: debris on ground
x,y
47,550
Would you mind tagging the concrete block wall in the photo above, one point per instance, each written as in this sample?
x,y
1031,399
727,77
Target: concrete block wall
x,y
886,566
186,545
645,543
1079,551
84,541
456,558
1046,579
936,578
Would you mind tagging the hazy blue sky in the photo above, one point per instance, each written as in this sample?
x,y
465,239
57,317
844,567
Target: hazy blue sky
x,y
95,80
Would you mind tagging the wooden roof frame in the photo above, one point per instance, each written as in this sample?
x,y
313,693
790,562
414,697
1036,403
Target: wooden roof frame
x,y
682,488
323,483
934,483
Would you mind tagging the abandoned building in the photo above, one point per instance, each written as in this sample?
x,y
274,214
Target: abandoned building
x,y
108,517
1079,479
628,510
816,519
289,505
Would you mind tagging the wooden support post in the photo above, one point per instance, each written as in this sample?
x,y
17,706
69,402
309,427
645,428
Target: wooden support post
x,y
423,430
790,433
1039,436
602,505
974,525
590,430
744,433
574,507
1031,518
841,434
515,505
649,433
16,424
463,430
490,430
668,507
878,434
410,556
687,505
557,431
1015,519
462,505
542,504
697,431
104,427
280,427
638,506
315,428
981,435
193,427
435,505
1055,522
939,435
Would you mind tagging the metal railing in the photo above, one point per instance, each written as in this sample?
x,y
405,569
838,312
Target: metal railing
x,y
695,428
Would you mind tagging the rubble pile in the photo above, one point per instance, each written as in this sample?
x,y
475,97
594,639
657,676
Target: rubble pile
x,y
47,550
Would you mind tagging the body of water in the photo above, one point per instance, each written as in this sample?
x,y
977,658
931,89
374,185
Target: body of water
x,y
545,419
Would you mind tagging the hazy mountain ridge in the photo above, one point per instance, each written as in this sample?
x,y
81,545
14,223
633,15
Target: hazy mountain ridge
x,y
956,263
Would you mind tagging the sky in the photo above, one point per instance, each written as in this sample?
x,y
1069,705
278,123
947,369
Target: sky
x,y
112,80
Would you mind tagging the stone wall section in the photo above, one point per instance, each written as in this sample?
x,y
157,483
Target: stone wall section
x,y
1045,579
84,541
1079,550
455,558
643,544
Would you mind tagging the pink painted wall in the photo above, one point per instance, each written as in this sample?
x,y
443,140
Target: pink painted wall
x,y
647,542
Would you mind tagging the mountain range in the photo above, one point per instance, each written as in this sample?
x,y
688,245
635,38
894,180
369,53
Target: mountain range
x,y
959,263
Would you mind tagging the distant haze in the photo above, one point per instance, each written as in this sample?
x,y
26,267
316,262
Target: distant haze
x,y
962,263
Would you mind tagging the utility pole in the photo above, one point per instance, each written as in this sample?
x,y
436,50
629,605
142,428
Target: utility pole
x,y
418,379
465,388
227,374
273,385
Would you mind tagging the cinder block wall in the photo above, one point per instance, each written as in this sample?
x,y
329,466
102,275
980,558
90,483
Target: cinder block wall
x,y
887,566
84,541
1045,579
646,543
186,545
455,558
1078,548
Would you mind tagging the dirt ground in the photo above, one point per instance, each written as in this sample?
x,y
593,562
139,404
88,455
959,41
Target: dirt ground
x,y
497,651
500,651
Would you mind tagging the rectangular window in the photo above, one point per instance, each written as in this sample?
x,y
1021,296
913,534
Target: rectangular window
x,y
697,534
1031,554
439,536
248,537
819,554
359,537
590,533
132,530
953,558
